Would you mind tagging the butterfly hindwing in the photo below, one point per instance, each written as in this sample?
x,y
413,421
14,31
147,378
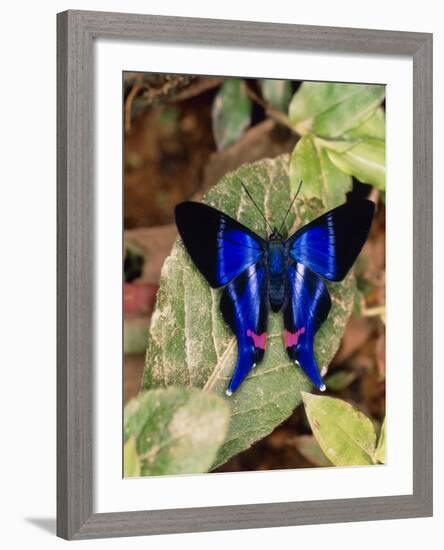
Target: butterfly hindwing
x,y
307,307
330,244
244,306
220,246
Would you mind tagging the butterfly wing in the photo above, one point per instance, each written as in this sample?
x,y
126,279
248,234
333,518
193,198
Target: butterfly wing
x,y
231,255
330,244
327,247
220,246
244,307
306,308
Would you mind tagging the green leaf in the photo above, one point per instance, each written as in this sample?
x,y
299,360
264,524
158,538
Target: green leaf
x,y
276,92
310,449
231,112
321,179
131,462
380,449
189,343
135,335
365,160
340,380
345,434
330,109
174,431
373,127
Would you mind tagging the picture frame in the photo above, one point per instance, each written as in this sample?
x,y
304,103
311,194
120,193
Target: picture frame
x,y
76,33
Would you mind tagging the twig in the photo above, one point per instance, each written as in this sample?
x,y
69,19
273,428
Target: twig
x,y
374,195
196,88
374,311
137,86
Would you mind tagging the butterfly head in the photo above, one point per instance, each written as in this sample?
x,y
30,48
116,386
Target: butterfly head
x,y
276,235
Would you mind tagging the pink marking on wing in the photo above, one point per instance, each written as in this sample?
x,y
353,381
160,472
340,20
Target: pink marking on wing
x,y
259,340
292,338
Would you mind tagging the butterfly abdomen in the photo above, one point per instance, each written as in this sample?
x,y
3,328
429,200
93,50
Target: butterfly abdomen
x,y
276,274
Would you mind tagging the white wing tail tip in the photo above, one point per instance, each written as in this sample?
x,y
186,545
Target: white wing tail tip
x,y
229,393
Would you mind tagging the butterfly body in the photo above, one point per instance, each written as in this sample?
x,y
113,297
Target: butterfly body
x,y
282,274
276,270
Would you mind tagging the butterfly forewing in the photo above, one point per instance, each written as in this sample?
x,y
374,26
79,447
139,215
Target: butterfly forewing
x,y
220,246
330,244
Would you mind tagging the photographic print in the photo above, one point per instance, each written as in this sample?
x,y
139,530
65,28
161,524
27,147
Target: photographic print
x,y
253,274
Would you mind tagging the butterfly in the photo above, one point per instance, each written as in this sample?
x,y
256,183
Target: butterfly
x,y
284,274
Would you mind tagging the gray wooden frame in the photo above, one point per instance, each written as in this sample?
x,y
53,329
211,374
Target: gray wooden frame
x,y
76,32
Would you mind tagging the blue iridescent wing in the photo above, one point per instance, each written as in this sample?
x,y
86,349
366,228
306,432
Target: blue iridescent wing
x,y
326,247
306,308
244,306
220,246
231,255
330,244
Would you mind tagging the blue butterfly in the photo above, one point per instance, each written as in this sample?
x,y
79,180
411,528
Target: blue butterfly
x,y
284,274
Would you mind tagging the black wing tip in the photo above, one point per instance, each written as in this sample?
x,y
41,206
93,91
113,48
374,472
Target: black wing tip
x,y
367,211
182,207
362,210
367,205
362,205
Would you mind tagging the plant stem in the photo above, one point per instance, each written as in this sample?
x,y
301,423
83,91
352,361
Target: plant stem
x,y
273,113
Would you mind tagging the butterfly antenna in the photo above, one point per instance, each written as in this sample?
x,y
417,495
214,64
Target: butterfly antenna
x,y
254,202
289,208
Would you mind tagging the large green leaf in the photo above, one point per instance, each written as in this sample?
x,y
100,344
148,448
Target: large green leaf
x,y
345,434
330,109
231,112
311,165
365,160
276,92
189,343
173,431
